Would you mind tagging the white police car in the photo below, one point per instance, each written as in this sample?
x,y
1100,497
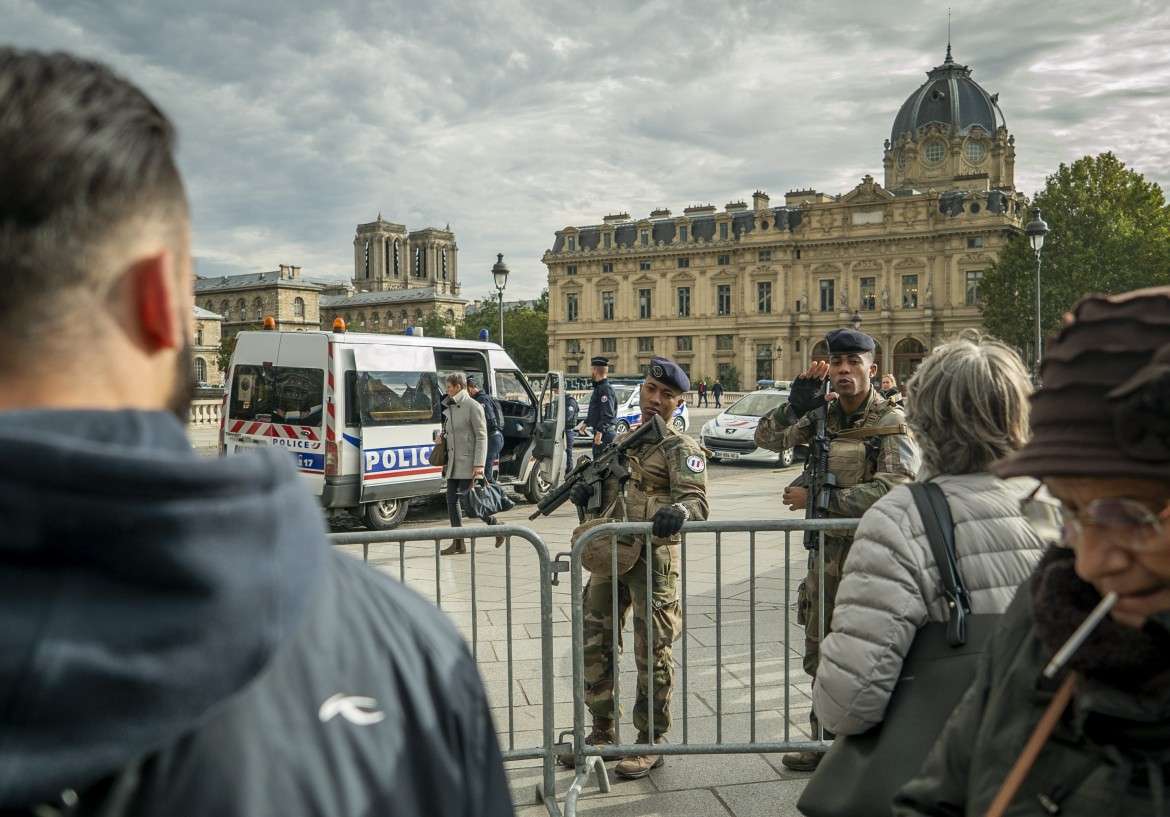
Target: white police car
x,y
629,414
732,434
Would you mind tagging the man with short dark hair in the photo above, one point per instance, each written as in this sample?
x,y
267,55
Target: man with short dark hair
x,y
602,406
176,633
871,452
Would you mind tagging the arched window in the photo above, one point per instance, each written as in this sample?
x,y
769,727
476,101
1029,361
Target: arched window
x,y
223,310
258,308
389,320
821,351
367,274
396,258
298,307
385,257
242,309
417,316
450,316
209,306
377,322
444,263
404,318
908,353
417,263
199,368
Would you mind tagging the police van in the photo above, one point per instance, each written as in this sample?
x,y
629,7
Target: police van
x,y
360,412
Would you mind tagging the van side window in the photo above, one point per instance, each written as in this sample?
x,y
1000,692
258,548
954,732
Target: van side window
x,y
398,398
277,394
514,395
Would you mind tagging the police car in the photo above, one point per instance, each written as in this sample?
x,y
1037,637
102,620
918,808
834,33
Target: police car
x,y
629,413
731,435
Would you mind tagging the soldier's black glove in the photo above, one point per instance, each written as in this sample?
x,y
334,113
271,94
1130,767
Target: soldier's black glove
x,y
668,521
579,494
805,395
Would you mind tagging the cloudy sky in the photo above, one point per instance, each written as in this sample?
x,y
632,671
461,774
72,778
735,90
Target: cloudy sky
x,y
511,119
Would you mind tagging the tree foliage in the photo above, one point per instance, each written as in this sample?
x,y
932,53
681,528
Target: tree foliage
x,y
1109,231
525,330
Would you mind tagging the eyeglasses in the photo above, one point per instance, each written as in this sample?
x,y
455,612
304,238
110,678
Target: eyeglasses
x,y
1127,523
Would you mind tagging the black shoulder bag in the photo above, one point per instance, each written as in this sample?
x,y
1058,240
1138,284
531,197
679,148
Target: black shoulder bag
x,y
860,774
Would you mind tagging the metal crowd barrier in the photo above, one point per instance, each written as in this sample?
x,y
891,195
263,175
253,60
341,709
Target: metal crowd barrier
x,y
750,592
421,546
702,540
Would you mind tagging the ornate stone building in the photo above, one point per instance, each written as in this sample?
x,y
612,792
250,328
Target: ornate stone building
x,y
245,300
757,287
205,354
399,277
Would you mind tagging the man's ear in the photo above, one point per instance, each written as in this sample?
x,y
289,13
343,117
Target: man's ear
x,y
872,370
155,301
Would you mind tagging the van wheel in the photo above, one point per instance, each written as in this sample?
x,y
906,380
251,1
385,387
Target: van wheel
x,y
537,487
622,426
386,514
787,457
678,423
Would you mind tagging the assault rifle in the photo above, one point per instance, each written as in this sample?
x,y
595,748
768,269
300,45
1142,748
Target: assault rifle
x,y
817,478
593,472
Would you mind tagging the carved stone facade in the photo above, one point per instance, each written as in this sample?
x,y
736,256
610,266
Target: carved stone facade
x,y
399,277
758,287
245,300
205,353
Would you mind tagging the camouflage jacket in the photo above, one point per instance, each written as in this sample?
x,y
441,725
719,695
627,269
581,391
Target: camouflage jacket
x,y
889,460
669,472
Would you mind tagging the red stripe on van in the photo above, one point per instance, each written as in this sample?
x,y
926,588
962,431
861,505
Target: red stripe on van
x,y
410,472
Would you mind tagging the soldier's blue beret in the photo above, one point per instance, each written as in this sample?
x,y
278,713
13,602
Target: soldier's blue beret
x,y
669,374
848,342
599,361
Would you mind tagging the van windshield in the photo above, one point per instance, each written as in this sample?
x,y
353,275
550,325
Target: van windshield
x,y
277,394
399,398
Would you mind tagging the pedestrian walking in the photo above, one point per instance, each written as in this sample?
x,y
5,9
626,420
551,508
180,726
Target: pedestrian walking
x,y
179,638
602,406
667,486
866,464
493,415
465,429
717,391
702,392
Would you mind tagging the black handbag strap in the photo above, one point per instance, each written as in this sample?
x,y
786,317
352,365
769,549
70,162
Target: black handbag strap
x,y
940,532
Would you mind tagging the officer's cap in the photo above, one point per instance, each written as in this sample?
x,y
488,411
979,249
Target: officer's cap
x,y
848,342
599,361
669,374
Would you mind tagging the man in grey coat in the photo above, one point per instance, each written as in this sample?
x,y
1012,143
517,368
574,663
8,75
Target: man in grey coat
x,y
465,428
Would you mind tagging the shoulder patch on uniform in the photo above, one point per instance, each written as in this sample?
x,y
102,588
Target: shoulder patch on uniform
x,y
696,464
604,399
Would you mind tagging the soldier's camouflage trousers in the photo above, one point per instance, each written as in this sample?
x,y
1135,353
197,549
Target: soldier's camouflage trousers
x,y
667,627
812,597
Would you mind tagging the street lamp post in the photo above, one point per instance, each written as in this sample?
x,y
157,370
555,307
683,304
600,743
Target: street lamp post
x,y
856,319
1036,230
500,276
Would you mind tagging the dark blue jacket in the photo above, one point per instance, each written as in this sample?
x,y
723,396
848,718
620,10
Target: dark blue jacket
x,y
602,407
185,618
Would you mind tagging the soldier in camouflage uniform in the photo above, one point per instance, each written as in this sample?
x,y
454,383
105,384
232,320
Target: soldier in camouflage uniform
x,y
871,452
667,485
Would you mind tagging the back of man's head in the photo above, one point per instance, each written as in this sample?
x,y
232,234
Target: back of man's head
x,y
89,180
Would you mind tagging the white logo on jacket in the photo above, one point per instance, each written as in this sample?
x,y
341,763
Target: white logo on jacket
x,y
356,709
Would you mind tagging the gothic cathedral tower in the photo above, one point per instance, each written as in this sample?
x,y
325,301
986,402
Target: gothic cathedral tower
x,y
387,257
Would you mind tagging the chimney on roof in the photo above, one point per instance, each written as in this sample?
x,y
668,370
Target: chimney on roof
x,y
283,271
760,200
296,272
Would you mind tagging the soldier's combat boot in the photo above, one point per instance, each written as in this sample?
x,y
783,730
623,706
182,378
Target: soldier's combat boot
x,y
602,735
632,768
802,761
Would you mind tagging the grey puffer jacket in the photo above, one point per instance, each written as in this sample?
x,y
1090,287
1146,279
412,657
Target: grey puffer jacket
x,y
892,586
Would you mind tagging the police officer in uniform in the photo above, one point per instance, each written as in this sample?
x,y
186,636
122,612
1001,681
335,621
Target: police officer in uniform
x,y
871,451
602,406
667,486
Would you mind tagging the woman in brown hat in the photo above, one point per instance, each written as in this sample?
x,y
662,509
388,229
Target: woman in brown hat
x,y
1077,713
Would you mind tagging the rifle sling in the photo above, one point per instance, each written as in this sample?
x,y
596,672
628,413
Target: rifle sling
x,y
879,431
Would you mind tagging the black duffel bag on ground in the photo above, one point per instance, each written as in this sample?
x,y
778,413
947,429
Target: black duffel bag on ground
x,y
860,774
485,499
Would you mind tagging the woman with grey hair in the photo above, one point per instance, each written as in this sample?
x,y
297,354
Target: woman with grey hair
x,y
968,406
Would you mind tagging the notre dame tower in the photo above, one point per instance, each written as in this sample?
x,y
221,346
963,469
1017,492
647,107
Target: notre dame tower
x,y
387,257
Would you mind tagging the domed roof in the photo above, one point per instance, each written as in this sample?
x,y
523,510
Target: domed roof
x,y
951,97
